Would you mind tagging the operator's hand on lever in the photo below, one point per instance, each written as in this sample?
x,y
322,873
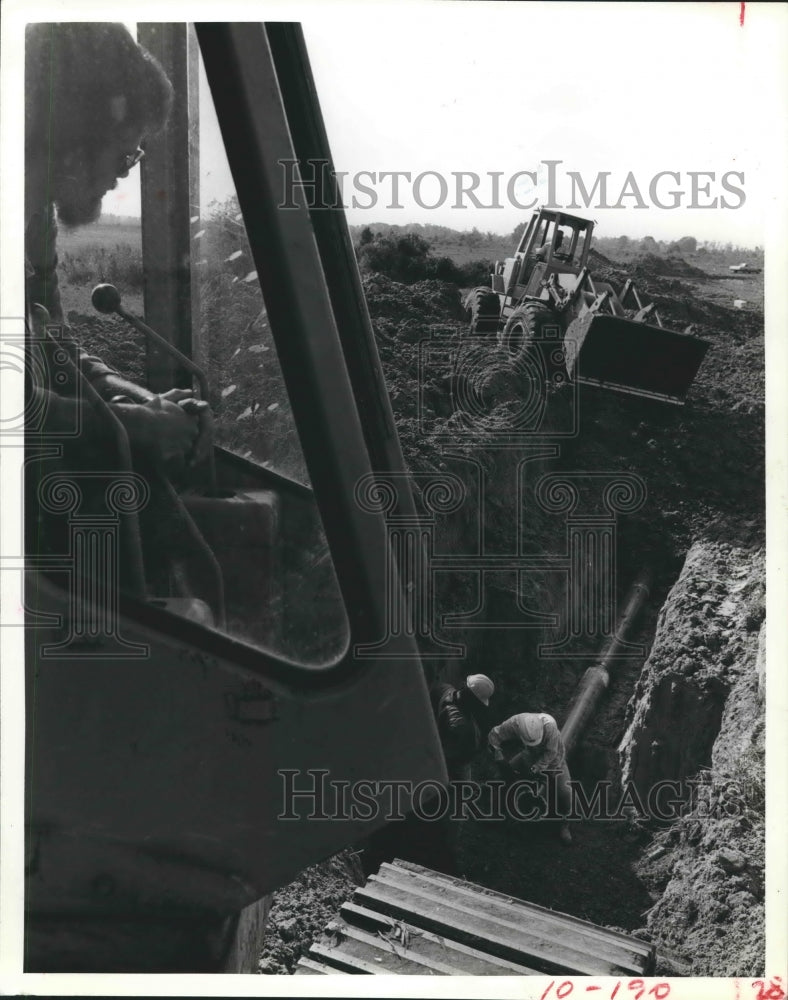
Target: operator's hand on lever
x,y
160,428
199,410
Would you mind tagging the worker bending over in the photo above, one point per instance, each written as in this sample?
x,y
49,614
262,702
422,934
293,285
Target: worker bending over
x,y
534,745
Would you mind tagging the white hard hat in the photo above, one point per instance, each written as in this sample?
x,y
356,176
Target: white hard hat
x,y
531,728
481,686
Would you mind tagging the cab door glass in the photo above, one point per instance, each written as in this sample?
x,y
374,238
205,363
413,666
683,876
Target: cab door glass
x,y
234,543
281,589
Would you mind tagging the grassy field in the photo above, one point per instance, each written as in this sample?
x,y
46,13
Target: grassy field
x,y
461,253
100,234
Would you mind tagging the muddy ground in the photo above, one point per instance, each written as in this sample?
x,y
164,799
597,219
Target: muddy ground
x,y
695,885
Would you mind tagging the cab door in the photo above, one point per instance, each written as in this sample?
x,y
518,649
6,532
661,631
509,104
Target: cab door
x,y
202,742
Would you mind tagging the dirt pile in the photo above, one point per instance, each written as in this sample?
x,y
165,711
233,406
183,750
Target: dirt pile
x,y
703,464
301,910
405,319
650,264
706,869
115,342
706,640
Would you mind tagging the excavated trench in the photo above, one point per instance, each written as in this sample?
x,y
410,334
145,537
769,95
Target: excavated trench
x,y
683,865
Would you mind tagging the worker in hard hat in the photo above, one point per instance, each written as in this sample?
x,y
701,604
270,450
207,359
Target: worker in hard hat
x,y
461,714
534,747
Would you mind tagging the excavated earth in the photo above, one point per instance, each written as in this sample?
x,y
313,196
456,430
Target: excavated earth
x,y
689,709
706,669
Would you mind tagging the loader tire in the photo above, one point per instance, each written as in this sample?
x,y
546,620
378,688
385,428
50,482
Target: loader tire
x,y
529,327
483,310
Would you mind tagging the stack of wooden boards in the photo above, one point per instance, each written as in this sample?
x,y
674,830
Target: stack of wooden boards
x,y
411,921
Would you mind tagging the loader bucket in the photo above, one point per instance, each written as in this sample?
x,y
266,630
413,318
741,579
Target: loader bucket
x,y
631,357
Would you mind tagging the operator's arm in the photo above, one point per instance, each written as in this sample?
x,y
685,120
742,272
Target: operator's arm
x,y
171,425
157,426
109,385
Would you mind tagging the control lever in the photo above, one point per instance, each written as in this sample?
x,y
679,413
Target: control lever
x,y
106,299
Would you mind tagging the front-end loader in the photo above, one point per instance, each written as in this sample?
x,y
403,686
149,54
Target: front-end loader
x,y
545,294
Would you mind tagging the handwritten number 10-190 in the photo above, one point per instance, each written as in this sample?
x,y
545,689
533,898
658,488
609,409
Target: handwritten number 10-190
x,y
635,987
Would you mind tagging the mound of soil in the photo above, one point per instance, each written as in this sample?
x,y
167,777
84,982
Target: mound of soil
x,y
706,641
650,264
597,259
301,910
706,870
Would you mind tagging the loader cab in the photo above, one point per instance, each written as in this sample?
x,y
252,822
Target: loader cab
x,y
187,720
553,243
566,237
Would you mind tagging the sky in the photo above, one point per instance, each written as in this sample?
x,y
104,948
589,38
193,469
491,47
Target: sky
x,y
631,91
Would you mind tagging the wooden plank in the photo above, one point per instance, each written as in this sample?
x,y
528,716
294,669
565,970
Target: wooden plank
x,y
387,956
568,917
536,942
465,961
497,937
308,967
544,926
431,953
341,958
585,927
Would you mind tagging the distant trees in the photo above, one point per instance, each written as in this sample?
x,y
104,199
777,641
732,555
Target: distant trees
x,y
432,233
517,233
405,258
688,244
409,258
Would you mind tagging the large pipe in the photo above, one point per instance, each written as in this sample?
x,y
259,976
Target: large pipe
x,y
596,679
